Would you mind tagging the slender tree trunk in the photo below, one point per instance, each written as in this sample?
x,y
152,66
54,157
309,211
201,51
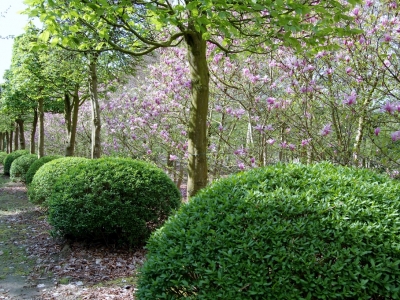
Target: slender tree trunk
x,y
96,122
10,141
33,132
41,128
71,119
197,165
1,141
16,136
21,133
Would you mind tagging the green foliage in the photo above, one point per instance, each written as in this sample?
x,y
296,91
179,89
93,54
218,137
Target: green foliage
x,y
21,165
10,158
2,156
281,232
115,199
43,181
36,165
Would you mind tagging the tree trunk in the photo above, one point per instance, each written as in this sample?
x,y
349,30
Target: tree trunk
x,y
21,133
16,136
33,131
197,128
9,141
1,141
41,128
71,119
96,122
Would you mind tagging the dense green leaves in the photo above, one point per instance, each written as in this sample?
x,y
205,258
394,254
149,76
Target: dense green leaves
x,y
282,232
20,167
43,181
10,158
252,24
3,155
37,164
118,200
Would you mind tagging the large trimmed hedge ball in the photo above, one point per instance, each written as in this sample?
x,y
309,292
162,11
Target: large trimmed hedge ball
x,y
10,158
115,200
20,166
281,232
43,181
37,164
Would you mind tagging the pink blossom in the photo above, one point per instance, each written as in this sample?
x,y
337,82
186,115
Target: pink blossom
x,y
350,99
173,157
271,100
271,141
387,38
377,131
292,147
149,152
349,70
326,130
283,144
388,107
395,136
217,58
218,108
241,151
329,71
305,142
269,127
241,166
259,127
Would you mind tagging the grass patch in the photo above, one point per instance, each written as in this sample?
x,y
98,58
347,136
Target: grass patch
x,y
121,282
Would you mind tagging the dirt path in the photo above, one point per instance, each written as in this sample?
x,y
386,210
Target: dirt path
x,y
34,265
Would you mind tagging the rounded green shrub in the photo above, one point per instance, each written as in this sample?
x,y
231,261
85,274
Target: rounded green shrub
x,y
281,232
20,166
43,181
2,157
10,158
37,164
112,199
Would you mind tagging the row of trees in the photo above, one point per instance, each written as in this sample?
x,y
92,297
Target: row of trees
x,y
255,83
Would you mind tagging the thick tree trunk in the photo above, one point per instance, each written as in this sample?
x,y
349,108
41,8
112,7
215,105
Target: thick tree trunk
x,y
71,119
21,133
197,128
96,122
41,128
16,136
33,132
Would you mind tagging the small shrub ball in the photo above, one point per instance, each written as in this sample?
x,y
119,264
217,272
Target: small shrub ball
x,y
20,166
281,232
10,158
113,200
